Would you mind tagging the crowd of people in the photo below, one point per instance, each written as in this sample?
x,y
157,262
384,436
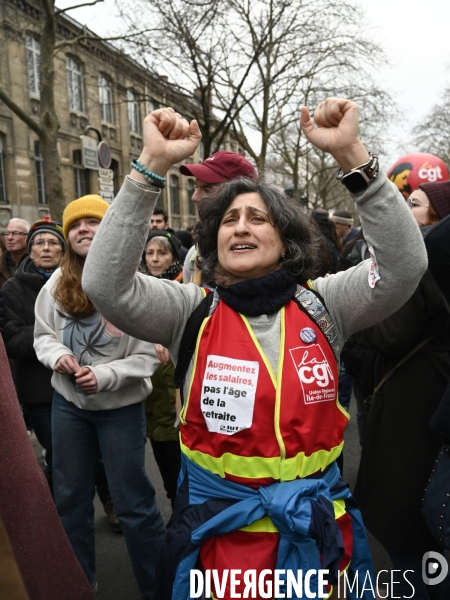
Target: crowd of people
x,y
235,349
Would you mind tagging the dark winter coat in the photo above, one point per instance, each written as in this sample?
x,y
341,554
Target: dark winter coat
x,y
400,448
19,297
350,256
5,263
4,271
438,247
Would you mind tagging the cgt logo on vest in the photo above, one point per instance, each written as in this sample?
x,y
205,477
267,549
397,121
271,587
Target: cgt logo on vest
x,y
315,374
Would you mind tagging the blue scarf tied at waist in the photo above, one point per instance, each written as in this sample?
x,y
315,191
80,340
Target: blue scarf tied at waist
x,y
301,510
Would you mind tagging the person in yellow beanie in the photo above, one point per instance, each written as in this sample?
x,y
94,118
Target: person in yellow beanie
x,y
92,205
100,378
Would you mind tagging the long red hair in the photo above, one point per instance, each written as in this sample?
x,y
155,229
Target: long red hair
x,y
68,292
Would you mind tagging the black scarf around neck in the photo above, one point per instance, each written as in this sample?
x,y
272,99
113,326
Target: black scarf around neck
x,y
261,296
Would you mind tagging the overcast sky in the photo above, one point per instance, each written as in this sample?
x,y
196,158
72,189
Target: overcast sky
x,y
414,34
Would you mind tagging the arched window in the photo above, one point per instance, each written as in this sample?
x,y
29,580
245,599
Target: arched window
x,y
174,195
190,191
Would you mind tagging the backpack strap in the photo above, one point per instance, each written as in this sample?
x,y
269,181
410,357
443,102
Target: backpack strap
x,y
189,340
312,304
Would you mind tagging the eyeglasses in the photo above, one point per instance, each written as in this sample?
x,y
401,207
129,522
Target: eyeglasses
x,y
412,203
49,243
13,233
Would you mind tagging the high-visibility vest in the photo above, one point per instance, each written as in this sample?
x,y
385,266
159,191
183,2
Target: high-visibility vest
x,y
293,424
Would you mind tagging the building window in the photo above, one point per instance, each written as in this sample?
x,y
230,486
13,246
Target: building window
x,y
190,191
3,199
201,152
151,106
81,176
133,112
75,84
114,166
33,61
105,97
40,180
174,195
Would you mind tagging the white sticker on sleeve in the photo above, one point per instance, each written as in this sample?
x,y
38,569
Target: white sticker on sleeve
x,y
374,272
228,394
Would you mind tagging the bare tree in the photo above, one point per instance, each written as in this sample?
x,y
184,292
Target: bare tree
x,y
192,44
433,134
308,47
47,126
254,62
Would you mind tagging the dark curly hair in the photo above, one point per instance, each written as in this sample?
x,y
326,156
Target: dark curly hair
x,y
299,233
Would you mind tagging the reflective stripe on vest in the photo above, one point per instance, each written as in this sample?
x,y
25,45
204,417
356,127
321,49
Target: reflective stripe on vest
x,y
296,427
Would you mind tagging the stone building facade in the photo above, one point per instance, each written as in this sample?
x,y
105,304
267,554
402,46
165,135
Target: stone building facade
x,y
96,86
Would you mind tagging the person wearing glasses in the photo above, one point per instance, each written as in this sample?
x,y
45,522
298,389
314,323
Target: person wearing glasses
x,y
15,238
430,203
45,244
400,448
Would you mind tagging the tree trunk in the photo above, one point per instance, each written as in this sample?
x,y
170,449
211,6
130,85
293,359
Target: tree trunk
x,y
48,119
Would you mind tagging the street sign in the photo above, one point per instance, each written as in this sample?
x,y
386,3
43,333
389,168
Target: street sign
x,y
108,196
106,173
89,152
104,154
105,185
105,180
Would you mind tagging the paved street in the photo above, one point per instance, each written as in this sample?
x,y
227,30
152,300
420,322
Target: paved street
x,y
115,576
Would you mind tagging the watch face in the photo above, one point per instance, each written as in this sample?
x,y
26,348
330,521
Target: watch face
x,y
355,182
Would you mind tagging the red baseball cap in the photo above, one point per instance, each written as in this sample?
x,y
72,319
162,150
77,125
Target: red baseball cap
x,y
221,166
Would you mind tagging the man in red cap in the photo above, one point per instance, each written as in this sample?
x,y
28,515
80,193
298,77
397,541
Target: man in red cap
x,y
219,167
216,169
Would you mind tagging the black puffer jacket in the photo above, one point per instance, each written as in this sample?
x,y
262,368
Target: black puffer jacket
x,y
19,297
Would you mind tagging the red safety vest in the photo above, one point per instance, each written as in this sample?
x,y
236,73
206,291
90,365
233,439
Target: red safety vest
x,y
292,426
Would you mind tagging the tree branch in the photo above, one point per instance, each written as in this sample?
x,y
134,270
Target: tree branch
x,y
60,11
23,116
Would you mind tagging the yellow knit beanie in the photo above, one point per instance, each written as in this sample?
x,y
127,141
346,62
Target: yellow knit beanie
x,y
87,206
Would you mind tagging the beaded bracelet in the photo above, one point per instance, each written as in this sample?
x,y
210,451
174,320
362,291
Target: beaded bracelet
x,y
153,178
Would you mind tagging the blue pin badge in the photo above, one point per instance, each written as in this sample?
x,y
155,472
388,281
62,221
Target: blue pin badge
x,y
308,335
